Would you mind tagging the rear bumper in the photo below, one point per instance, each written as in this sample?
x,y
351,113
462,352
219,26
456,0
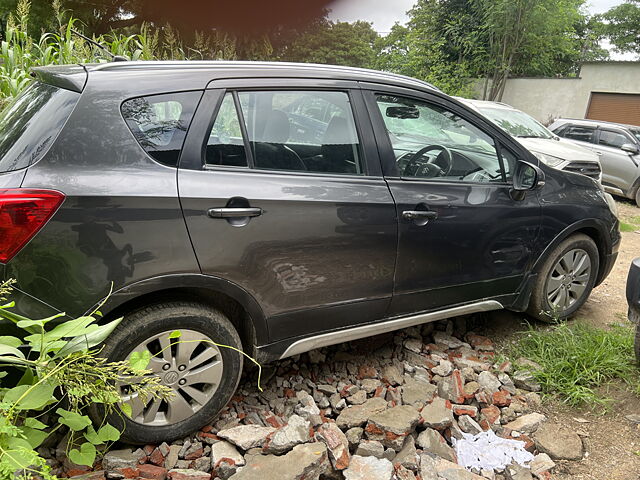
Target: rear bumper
x,y
633,291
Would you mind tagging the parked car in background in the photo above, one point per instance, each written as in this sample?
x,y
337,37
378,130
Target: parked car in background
x,y
617,146
275,208
539,140
633,301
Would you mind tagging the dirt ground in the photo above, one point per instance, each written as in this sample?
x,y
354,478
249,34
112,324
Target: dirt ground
x,y
612,441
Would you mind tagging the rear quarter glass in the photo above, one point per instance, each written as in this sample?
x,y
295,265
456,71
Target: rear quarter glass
x,y
160,122
30,124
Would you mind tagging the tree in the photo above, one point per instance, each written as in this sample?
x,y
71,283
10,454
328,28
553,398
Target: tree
x,y
339,43
622,26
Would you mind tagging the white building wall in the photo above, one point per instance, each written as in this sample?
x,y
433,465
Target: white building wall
x,y
549,98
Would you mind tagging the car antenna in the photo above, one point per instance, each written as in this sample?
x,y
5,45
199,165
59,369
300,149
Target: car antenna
x,y
115,58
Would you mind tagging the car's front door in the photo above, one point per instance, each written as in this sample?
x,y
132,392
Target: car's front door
x,y
619,168
287,201
462,235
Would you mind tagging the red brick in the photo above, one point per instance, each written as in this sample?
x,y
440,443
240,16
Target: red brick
x,y
491,414
153,472
501,398
156,457
366,371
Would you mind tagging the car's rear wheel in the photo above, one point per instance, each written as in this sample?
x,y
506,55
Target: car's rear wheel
x,y
637,196
201,373
565,280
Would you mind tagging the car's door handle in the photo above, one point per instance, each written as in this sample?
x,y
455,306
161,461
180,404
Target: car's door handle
x,y
417,214
234,212
598,153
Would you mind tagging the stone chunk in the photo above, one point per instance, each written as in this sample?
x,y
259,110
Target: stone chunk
x,y
437,414
407,457
392,375
225,451
357,415
489,382
304,462
285,438
417,391
370,448
452,388
444,369
120,459
187,474
432,442
541,463
337,445
559,442
469,425
246,436
526,381
369,468
391,426
527,423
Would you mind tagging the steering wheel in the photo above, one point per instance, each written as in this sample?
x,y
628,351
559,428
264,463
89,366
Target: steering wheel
x,y
439,170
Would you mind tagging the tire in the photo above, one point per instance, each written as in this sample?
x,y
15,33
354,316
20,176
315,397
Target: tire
x,y
637,196
550,304
220,369
636,345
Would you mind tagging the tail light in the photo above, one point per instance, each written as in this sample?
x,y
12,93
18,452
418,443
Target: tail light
x,y
22,213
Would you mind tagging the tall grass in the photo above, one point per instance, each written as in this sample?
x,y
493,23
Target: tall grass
x,y
19,52
576,358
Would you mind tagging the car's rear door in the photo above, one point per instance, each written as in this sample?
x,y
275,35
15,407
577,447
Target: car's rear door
x,y
283,195
620,168
463,236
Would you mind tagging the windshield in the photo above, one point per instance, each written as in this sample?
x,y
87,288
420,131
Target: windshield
x,y
30,124
636,133
516,123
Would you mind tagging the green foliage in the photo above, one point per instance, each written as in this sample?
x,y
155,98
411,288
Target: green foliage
x,y
448,41
340,43
622,26
61,377
576,358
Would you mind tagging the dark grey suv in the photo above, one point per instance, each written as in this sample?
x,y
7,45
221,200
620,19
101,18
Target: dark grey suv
x,y
276,208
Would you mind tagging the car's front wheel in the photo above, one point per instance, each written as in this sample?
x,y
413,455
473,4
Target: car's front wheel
x,y
565,280
201,373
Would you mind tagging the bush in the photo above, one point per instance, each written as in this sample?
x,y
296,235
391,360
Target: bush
x,y
62,375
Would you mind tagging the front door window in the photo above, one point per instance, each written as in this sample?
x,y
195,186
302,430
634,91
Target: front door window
x,y
432,142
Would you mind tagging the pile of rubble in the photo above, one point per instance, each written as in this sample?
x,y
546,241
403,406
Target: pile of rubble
x,y
387,408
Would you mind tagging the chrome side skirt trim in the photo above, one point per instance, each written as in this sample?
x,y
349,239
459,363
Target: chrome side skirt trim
x,y
349,334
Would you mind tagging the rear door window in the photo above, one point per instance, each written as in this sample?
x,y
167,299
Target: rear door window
x,y
576,132
160,122
30,124
308,131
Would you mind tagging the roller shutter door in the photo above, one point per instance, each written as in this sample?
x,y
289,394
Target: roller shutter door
x,y
615,107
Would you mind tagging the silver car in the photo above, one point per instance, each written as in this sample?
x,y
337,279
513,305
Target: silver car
x,y
535,137
617,146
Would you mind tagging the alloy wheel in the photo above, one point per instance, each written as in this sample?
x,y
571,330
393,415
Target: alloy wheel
x,y
569,279
191,366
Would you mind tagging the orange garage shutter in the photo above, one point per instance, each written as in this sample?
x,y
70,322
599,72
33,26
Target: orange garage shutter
x,y
615,107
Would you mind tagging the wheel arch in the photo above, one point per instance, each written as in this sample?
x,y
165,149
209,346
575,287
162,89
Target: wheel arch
x,y
236,303
592,229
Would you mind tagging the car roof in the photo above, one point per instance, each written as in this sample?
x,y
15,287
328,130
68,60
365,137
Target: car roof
x,y
197,74
589,121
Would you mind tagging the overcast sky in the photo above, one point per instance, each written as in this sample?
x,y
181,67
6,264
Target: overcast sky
x,y
384,13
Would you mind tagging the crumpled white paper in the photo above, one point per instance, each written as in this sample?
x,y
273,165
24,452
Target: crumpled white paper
x,y
488,451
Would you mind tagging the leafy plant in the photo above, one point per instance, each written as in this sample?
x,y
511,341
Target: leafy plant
x,y
62,375
576,358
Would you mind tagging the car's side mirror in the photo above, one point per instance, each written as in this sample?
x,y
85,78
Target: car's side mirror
x,y
527,176
629,147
